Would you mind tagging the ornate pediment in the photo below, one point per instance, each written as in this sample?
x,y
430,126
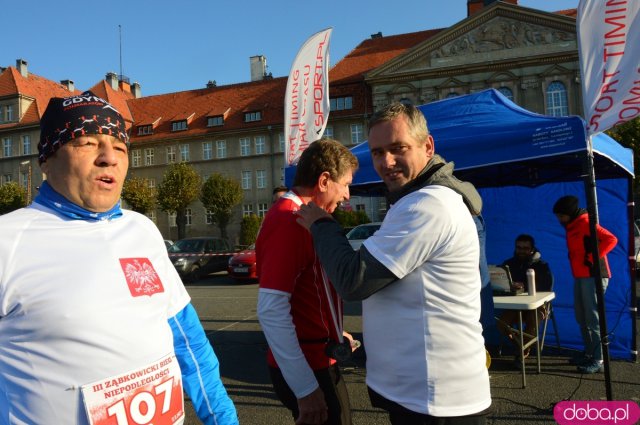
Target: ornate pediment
x,y
504,34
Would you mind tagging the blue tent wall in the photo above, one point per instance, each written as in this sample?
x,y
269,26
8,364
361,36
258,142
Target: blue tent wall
x,y
511,210
522,162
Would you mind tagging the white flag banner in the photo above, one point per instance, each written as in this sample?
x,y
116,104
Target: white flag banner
x,y
609,48
306,101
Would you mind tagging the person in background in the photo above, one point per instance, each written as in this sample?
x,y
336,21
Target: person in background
x,y
575,220
93,315
486,295
298,309
418,277
278,192
526,256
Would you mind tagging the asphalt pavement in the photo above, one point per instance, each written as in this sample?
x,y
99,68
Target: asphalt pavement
x,y
228,314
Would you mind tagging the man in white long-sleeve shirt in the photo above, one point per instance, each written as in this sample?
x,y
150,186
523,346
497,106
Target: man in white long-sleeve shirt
x,y
299,311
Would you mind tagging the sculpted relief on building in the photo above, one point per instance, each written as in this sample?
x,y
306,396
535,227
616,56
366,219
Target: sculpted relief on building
x,y
500,34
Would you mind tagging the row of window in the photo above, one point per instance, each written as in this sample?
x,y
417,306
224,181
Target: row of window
x,y
357,136
246,178
261,179
335,104
183,151
8,178
214,121
146,157
7,146
247,209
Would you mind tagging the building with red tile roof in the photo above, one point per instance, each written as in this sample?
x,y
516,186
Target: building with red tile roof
x,y
237,130
24,97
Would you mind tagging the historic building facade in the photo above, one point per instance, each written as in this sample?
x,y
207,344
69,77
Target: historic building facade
x,y
528,55
237,130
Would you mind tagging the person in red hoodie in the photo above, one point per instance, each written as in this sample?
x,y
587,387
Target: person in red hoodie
x,y
576,222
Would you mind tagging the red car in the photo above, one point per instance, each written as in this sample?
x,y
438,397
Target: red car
x,y
242,266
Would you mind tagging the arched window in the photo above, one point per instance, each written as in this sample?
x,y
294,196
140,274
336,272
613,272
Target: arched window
x,y
506,92
557,105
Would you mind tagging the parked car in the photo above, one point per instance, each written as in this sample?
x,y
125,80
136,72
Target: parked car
x,y
242,266
360,233
194,258
168,243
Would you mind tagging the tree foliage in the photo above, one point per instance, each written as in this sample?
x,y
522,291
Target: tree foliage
x,y
180,186
351,218
138,195
628,135
220,195
249,228
12,197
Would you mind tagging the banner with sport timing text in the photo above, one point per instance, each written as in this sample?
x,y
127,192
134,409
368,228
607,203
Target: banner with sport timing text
x,y
306,101
609,49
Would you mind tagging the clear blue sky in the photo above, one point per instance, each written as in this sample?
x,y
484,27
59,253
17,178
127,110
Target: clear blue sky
x,y
170,46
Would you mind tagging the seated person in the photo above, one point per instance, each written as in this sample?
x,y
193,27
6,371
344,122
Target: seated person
x,y
526,256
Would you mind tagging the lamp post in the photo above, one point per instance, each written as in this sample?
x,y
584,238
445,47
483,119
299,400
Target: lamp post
x,y
28,164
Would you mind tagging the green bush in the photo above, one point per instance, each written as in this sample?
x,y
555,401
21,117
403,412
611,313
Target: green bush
x,y
351,218
249,228
12,197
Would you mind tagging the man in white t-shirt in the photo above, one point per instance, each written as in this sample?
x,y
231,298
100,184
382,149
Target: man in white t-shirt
x,y
418,278
95,324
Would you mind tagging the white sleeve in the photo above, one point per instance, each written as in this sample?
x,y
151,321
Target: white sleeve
x,y
274,314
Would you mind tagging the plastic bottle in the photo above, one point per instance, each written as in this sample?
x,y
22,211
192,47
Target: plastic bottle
x,y
531,281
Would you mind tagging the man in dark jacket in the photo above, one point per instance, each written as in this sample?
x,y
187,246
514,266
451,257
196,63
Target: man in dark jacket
x,y
526,256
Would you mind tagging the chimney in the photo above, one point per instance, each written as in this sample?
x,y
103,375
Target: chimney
x,y
475,6
112,80
376,35
21,66
125,86
136,91
68,84
258,67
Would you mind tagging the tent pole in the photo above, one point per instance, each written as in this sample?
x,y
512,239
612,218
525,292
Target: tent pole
x,y
592,208
633,308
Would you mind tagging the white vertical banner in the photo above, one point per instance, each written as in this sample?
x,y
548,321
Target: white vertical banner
x,y
609,49
306,101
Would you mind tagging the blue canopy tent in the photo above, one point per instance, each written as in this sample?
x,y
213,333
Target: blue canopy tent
x,y
521,163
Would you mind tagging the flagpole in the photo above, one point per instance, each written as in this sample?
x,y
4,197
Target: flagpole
x,y
592,208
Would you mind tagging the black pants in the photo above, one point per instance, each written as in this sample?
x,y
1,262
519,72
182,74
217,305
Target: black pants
x,y
333,387
399,415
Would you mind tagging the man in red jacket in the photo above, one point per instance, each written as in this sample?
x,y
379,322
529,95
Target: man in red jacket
x,y
576,222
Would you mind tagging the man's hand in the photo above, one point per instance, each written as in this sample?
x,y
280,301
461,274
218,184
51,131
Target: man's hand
x,y
313,409
308,214
354,343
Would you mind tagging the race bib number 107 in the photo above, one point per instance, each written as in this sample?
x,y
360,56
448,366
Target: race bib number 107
x,y
147,395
